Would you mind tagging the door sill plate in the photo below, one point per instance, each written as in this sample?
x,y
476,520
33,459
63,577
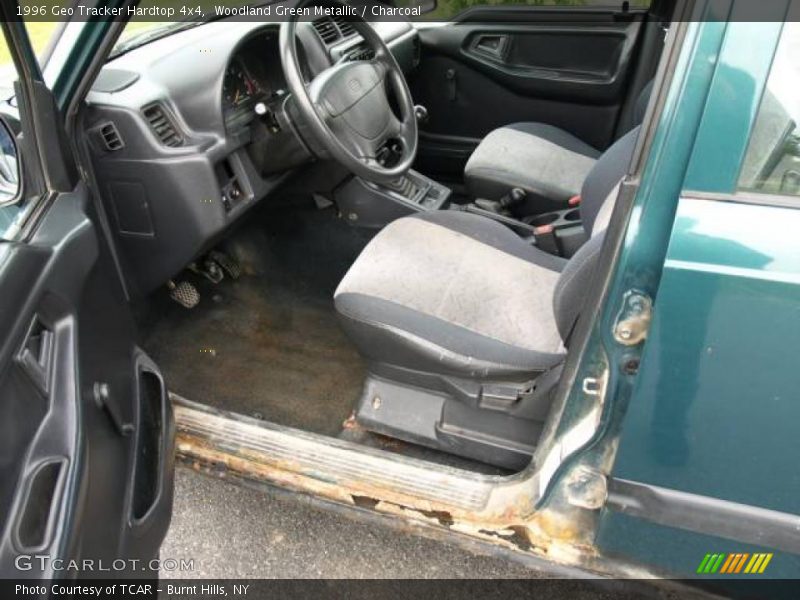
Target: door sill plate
x,y
299,459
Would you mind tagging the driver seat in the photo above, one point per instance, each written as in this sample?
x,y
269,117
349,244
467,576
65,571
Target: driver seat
x,y
452,304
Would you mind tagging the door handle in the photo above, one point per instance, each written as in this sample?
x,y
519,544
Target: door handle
x,y
102,397
494,45
36,354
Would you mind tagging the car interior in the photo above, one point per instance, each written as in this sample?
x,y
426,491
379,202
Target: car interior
x,y
380,232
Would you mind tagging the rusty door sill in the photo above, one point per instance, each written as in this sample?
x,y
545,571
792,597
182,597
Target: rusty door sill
x,y
495,509
261,449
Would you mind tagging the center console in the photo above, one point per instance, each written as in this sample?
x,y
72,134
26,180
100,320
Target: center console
x,y
368,204
559,232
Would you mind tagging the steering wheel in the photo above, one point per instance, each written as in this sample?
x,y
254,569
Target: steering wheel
x,y
347,108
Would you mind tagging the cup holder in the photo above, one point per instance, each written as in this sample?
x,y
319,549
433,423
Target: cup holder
x,y
545,219
573,215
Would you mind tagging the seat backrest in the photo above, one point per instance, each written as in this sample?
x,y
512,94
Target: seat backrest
x,y
635,117
640,109
598,195
604,178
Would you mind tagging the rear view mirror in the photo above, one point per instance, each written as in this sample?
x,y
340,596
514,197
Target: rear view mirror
x,y
9,167
424,6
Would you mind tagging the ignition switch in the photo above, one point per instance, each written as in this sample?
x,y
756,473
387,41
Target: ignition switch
x,y
267,116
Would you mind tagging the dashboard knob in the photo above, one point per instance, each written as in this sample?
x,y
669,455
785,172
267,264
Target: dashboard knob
x,y
260,108
421,113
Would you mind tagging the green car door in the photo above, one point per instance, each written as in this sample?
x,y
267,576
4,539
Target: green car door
x,y
704,482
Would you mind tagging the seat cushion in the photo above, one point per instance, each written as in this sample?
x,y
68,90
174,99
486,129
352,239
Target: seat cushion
x,y
453,293
547,162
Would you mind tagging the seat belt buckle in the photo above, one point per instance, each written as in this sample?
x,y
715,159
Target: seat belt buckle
x,y
546,239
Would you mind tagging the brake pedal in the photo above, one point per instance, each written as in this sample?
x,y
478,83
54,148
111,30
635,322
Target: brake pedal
x,y
184,293
227,262
211,270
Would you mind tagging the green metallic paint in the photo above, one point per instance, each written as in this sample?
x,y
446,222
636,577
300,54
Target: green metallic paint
x,y
644,243
82,53
732,105
715,408
681,552
716,374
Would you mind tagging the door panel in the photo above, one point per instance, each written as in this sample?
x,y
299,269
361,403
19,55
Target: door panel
x,y
86,431
566,68
72,432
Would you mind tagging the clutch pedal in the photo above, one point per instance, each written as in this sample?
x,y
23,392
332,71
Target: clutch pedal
x,y
184,293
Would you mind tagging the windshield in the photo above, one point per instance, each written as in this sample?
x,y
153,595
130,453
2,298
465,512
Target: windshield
x,y
140,30
138,33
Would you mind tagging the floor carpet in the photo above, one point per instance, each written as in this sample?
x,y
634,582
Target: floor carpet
x,y
267,344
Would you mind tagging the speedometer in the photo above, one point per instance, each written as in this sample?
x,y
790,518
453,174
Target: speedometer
x,y
237,88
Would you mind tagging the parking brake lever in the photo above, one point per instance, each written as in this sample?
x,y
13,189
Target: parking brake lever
x,y
518,226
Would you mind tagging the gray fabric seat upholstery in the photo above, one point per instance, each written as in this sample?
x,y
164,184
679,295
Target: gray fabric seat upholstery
x,y
453,293
549,163
545,161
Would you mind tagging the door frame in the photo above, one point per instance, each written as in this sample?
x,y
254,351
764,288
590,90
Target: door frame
x,y
95,424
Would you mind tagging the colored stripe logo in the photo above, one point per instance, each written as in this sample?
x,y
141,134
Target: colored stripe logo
x,y
735,563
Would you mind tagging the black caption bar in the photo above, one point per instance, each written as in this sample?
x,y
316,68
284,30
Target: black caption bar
x,y
441,589
496,11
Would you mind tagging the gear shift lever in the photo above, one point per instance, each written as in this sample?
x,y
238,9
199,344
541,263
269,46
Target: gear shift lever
x,y
512,198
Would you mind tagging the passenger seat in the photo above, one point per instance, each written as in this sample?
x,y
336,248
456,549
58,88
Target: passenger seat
x,y
548,163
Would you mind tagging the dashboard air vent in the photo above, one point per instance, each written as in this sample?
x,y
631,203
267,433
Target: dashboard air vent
x,y
361,52
162,126
327,30
345,27
111,138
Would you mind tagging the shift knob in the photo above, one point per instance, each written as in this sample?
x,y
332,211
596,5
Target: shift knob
x,y
421,113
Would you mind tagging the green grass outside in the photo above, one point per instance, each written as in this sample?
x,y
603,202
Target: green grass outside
x,y
41,32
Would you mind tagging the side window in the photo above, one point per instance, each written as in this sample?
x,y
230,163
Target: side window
x,y
12,206
447,9
9,172
772,161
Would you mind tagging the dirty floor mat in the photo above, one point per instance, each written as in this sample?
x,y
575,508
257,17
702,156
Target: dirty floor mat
x,y
267,344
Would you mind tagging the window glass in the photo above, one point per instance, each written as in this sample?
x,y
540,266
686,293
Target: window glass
x,y
772,162
143,29
41,27
9,174
446,9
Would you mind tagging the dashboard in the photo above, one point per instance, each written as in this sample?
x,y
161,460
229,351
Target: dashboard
x,y
253,75
189,132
